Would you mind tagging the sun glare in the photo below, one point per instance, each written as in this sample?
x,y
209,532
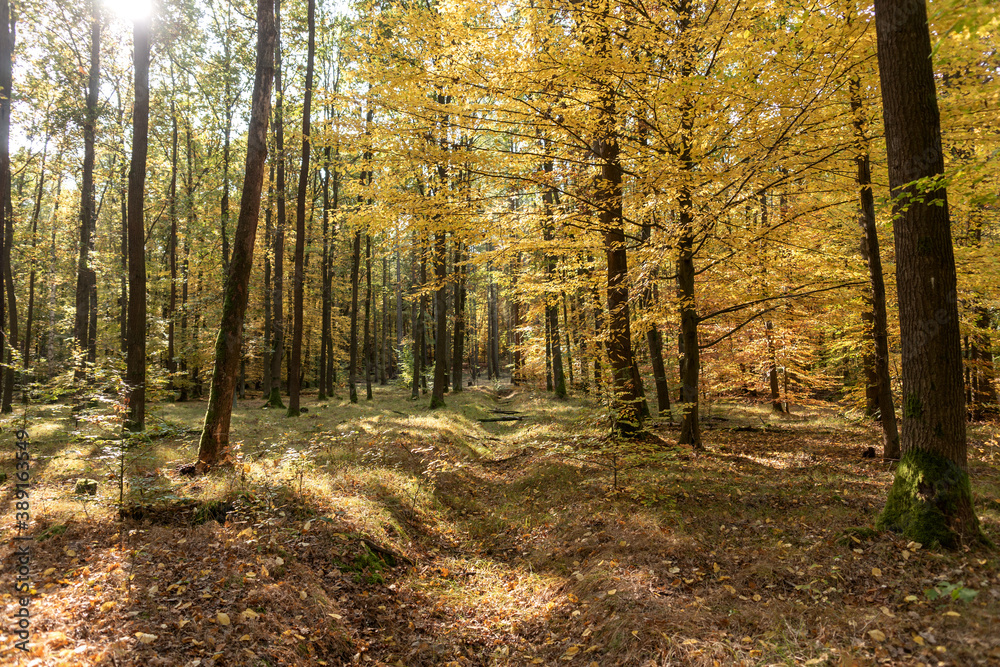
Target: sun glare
x,y
130,10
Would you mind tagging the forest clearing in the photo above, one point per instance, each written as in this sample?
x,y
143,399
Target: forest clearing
x,y
495,543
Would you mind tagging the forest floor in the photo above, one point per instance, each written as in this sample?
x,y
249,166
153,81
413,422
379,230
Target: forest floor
x,y
384,533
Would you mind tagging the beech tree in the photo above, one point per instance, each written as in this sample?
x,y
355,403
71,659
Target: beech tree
x,y
215,435
930,500
135,361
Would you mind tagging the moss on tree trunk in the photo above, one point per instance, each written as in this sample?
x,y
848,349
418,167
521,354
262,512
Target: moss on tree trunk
x,y
931,502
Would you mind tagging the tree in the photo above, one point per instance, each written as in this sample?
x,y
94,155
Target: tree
x,y
931,499
135,356
278,323
294,379
6,87
215,435
86,281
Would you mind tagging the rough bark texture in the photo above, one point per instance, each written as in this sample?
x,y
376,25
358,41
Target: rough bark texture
x,y
135,356
215,436
933,433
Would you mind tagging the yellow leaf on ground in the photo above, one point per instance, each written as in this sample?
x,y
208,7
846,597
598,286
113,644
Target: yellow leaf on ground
x,y
918,640
877,635
952,613
223,618
145,638
613,591
245,638
876,572
249,615
107,605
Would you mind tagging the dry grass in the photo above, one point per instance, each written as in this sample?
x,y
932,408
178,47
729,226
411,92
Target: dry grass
x,y
523,549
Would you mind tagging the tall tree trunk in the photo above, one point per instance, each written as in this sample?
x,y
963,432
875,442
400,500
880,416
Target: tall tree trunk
x,y
123,297
458,338
277,294
86,276
50,344
368,317
441,319
268,323
873,257
355,288
930,500
172,247
383,367
324,335
215,436
294,378
135,360
417,324
8,279
35,215
6,89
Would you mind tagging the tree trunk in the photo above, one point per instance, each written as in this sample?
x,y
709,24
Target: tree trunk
x,y
215,436
458,338
417,324
135,360
277,294
441,320
368,317
8,278
294,375
86,276
873,257
172,247
930,500
268,325
35,215
6,89
355,288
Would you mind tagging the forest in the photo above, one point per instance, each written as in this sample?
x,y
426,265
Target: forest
x,y
580,332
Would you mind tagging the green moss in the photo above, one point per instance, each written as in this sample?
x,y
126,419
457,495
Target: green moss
x,y
912,407
930,502
274,400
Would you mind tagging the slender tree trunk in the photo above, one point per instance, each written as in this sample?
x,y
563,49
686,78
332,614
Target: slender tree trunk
x,y
294,377
268,324
383,367
50,347
458,338
35,215
277,294
215,436
123,297
86,276
416,315
355,288
873,257
931,496
135,362
10,371
6,89
441,319
172,247
368,317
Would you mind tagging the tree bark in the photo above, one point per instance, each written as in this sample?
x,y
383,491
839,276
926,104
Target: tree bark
x,y
277,293
458,338
86,276
355,288
368,317
441,319
873,257
930,500
215,436
135,358
294,375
